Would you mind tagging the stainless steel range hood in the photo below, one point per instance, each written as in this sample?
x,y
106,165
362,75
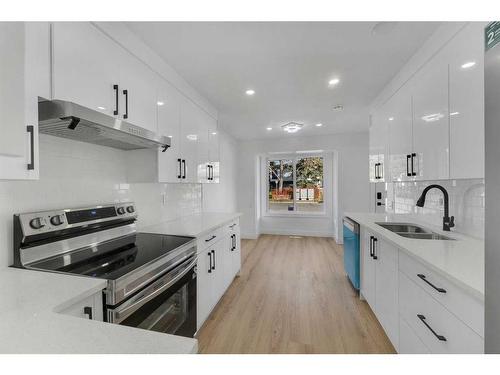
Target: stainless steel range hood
x,y
69,120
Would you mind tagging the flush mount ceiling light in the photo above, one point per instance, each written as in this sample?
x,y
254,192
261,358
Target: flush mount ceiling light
x,y
292,127
333,82
269,129
468,65
433,117
338,107
250,92
319,125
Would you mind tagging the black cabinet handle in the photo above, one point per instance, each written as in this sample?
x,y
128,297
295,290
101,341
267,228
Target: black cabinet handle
x,y
380,171
210,264
180,168
371,246
184,168
211,172
439,337
413,173
408,157
87,310
440,290
125,92
115,87
213,252
375,248
31,130
210,239
234,239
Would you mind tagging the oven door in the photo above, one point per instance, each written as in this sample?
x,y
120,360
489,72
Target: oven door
x,y
166,305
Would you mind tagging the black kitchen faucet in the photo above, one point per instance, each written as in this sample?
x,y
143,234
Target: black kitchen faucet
x,y
448,222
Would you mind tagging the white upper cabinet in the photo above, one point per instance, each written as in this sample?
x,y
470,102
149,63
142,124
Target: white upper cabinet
x,y
398,112
169,125
431,140
466,64
378,153
24,77
138,93
86,67
193,139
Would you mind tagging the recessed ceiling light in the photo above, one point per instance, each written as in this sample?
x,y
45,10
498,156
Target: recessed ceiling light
x,y
391,118
250,92
292,127
269,128
214,133
319,125
170,136
468,65
333,82
160,103
338,107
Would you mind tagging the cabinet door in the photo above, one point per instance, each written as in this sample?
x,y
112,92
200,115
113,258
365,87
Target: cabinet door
x,y
372,151
213,149
25,55
398,112
386,289
367,270
219,286
85,66
236,254
138,92
378,145
203,287
192,137
227,258
168,107
431,121
466,64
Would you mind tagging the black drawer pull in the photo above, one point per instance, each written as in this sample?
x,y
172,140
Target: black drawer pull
x,y
213,253
371,246
439,337
375,248
440,290
210,265
210,239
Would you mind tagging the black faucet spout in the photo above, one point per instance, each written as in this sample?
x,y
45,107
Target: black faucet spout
x,y
448,222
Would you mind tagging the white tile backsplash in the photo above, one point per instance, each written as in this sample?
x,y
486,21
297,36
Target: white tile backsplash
x,y
466,203
76,174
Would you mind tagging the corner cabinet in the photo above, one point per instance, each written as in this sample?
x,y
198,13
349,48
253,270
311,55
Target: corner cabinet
x,y
24,78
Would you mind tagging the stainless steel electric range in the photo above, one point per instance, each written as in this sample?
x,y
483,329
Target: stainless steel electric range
x,y
151,278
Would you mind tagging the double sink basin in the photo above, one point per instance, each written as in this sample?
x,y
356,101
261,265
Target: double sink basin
x,y
413,231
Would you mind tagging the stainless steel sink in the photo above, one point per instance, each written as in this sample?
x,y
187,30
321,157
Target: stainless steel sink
x,y
425,236
413,231
403,228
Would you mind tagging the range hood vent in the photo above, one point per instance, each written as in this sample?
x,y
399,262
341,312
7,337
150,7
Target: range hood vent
x,y
69,120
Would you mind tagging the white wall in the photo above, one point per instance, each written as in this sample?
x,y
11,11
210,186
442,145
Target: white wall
x,y
76,174
352,151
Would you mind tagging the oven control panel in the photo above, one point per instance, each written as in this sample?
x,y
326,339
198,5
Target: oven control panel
x,y
50,221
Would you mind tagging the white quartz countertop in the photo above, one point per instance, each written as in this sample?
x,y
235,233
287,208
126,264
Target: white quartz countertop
x,y
193,225
30,323
461,261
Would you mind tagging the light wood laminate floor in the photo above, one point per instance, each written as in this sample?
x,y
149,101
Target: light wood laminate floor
x,y
292,297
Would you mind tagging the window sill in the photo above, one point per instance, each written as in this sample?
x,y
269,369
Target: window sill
x,y
320,215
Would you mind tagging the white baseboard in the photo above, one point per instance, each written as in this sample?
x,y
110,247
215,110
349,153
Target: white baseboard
x,y
249,236
298,233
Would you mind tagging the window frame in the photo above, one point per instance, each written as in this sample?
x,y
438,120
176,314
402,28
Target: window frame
x,y
294,157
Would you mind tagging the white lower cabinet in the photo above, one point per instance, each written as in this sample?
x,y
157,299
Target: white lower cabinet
x,y
420,310
379,282
88,308
218,264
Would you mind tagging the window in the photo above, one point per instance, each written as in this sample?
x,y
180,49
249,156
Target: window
x,y
295,185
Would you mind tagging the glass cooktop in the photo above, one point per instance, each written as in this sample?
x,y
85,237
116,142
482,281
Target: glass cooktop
x,y
113,259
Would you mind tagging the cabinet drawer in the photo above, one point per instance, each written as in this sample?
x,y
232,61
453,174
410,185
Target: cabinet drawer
x,y
425,315
208,239
409,343
468,308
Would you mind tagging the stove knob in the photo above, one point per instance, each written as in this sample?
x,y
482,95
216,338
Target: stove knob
x,y
37,223
130,209
56,220
121,210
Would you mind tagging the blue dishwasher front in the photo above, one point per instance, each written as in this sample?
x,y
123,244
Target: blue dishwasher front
x,y
351,251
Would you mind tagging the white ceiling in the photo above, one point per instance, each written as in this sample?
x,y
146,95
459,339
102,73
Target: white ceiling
x,y
288,64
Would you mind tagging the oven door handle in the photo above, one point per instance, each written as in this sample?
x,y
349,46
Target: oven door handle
x,y
122,312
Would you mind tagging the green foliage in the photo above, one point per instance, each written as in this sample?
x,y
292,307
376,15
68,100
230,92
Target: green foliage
x,y
309,172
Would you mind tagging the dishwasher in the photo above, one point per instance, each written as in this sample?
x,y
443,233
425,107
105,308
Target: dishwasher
x,y
351,250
